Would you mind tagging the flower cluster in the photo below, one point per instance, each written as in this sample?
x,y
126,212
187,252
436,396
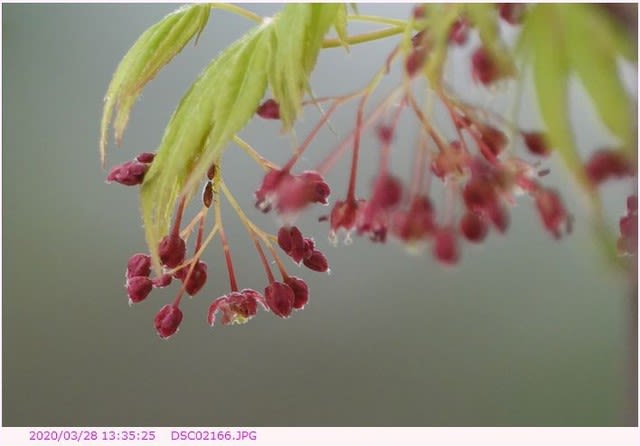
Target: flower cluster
x,y
131,173
289,193
460,189
483,178
302,249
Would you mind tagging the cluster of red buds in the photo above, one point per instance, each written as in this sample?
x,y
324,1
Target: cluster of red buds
x,y
484,68
131,173
484,181
460,189
288,193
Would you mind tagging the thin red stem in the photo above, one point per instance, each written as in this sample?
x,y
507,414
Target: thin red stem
x,y
200,233
351,192
417,175
426,124
450,203
386,148
263,258
193,262
335,155
227,257
283,270
300,150
175,231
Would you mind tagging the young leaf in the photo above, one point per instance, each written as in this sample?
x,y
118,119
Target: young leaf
x,y
286,73
153,49
597,68
297,35
218,105
560,40
550,76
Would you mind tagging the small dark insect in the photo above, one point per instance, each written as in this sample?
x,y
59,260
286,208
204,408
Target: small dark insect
x,y
211,173
207,194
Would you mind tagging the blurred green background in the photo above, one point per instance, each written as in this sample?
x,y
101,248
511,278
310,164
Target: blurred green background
x,y
526,331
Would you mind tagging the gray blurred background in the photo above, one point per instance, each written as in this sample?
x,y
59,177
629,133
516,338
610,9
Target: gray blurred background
x,y
526,331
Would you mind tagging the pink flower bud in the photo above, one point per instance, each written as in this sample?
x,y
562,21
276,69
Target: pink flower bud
x,y
130,173
172,250
551,210
138,288
309,247
605,164
459,32
146,157
168,320
494,142
535,142
317,262
285,239
300,291
483,68
474,227
269,109
280,298
139,265
197,279
317,187
445,247
512,13
295,193
291,241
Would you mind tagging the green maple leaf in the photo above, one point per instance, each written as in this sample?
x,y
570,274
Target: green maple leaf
x,y
280,53
564,39
154,49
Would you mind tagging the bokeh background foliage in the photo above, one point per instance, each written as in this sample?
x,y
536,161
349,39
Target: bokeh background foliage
x,y
526,331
